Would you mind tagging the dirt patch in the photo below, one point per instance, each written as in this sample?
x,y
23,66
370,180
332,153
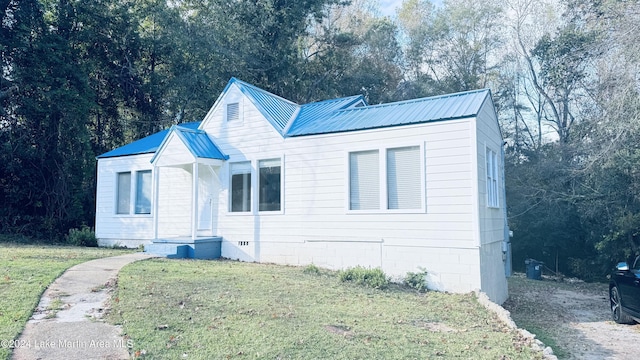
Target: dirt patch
x,y
339,330
434,326
571,317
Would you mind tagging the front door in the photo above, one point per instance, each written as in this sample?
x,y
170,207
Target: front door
x,y
205,201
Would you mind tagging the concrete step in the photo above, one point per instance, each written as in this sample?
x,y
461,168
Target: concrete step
x,y
182,248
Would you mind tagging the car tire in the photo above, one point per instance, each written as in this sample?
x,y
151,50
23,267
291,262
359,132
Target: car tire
x,y
617,313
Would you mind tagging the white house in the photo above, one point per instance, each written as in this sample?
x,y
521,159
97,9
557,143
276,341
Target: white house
x,y
403,186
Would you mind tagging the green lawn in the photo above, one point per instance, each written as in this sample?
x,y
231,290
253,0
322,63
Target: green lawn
x,y
173,309
25,272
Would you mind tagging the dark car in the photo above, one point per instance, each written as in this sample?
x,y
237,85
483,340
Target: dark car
x,y
624,292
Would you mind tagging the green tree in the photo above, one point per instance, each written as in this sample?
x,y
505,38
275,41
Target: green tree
x,y
48,158
451,48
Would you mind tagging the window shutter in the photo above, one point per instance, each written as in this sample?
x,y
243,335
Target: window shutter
x,y
233,111
403,178
364,180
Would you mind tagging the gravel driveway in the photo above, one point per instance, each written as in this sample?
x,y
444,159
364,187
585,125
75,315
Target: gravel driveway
x,y
572,317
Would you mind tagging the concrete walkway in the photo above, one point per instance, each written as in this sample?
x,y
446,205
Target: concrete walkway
x,y
67,322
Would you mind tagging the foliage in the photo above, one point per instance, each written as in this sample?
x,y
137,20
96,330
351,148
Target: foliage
x,y
80,78
25,272
276,313
450,47
311,269
373,278
82,237
417,280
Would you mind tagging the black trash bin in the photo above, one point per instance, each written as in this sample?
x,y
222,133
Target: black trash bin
x,y
534,269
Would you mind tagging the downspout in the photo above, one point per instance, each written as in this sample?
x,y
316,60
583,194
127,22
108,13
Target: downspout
x,y
506,242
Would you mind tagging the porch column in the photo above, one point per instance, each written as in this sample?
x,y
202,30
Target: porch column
x,y
154,202
194,209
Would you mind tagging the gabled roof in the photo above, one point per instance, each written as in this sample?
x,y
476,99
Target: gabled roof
x,y
437,108
316,112
145,145
330,116
197,142
276,109
352,113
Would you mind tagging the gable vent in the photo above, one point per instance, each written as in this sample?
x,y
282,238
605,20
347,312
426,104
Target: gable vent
x,y
233,111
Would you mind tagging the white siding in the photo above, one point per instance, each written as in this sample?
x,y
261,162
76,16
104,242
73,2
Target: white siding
x,y
173,152
174,201
112,228
491,220
315,224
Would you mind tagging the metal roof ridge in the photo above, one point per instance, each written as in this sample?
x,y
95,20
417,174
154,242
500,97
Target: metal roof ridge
x,y
244,83
291,121
333,100
186,129
409,101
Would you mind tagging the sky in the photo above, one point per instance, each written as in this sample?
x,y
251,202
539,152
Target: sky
x,y
389,7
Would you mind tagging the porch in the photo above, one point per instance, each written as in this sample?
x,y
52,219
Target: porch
x,y
186,185
186,247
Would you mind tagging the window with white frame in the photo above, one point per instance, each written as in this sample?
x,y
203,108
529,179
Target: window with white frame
x,y
143,192
399,187
269,185
240,186
364,180
123,201
404,182
492,178
138,188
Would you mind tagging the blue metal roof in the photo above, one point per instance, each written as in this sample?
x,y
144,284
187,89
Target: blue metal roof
x,y
446,107
197,141
324,117
276,109
145,145
318,111
352,113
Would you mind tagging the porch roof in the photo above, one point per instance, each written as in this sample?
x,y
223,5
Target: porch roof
x,y
146,145
197,142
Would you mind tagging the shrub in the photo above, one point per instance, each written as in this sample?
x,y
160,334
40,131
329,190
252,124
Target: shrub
x,y
373,278
82,237
312,269
417,280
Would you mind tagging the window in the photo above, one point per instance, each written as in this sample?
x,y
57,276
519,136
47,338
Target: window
x,y
403,178
140,191
143,192
492,178
269,185
123,202
364,180
233,111
387,179
241,187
